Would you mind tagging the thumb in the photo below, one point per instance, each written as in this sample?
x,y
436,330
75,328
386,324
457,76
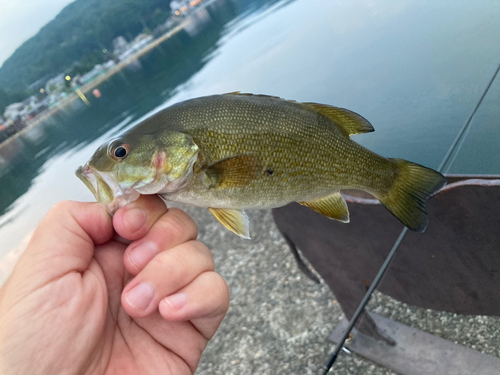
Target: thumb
x,y
64,242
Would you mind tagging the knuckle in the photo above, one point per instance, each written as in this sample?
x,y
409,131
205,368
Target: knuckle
x,y
220,287
220,284
176,224
162,261
202,250
191,255
185,221
62,206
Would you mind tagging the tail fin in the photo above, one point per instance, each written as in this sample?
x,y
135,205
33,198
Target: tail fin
x,y
413,186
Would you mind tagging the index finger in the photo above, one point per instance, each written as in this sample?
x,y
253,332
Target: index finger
x,y
136,219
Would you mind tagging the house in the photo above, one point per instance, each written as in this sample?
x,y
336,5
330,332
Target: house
x,y
120,45
108,64
13,111
89,76
55,84
179,6
75,81
31,102
139,42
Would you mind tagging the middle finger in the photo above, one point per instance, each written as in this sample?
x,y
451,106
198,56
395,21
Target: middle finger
x,y
173,228
165,274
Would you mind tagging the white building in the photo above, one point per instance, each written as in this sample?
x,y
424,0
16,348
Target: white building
x,y
13,111
87,77
55,84
108,64
140,41
32,101
120,44
179,6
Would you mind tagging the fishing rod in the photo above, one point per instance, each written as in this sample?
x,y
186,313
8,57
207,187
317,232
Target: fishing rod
x,y
361,308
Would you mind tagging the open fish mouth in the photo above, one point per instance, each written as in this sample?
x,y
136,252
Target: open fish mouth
x,y
105,188
85,174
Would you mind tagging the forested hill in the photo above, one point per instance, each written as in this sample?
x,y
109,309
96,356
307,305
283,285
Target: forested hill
x,y
82,28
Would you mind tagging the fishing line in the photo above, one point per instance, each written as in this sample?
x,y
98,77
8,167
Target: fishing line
x,y
458,139
465,129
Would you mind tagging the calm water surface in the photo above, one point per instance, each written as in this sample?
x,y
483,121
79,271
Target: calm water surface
x,y
414,69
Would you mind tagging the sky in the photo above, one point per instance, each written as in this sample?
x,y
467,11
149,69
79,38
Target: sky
x,y
21,19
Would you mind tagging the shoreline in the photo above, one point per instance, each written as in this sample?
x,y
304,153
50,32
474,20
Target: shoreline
x,y
95,82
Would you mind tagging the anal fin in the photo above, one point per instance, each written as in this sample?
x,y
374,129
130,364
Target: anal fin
x,y
234,220
332,206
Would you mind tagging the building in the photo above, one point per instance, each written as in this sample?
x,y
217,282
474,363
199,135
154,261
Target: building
x,y
139,42
109,64
31,102
120,45
89,76
179,6
55,84
13,111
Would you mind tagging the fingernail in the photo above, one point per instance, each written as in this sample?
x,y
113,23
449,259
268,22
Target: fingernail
x,y
140,296
141,255
176,301
134,219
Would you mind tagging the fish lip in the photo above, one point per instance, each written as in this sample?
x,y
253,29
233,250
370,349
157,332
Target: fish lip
x,y
84,173
89,176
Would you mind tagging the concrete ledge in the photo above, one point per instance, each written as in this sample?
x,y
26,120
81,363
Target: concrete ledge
x,y
417,352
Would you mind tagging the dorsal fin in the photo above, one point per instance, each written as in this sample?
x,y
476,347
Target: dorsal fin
x,y
348,121
257,95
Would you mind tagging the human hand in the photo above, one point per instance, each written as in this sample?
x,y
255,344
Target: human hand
x,y
81,302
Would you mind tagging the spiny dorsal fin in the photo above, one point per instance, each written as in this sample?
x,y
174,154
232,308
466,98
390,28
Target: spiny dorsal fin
x,y
348,121
234,171
257,95
332,206
234,220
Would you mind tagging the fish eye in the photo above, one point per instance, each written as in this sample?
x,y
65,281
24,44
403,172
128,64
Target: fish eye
x,y
120,152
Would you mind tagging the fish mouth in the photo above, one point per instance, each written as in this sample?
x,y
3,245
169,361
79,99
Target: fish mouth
x,y
85,174
105,189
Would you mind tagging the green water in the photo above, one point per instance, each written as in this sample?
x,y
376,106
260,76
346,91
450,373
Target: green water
x,y
416,70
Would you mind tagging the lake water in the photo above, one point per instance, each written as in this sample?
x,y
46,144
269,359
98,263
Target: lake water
x,y
414,69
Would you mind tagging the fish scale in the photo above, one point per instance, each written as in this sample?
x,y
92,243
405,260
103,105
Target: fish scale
x,y
243,126
236,151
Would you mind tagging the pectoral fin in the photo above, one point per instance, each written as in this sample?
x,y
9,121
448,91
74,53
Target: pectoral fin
x,y
234,171
333,206
234,220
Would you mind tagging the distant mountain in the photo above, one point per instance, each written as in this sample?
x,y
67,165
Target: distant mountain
x,y
84,27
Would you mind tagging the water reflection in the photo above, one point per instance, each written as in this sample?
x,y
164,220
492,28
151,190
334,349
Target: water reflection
x,y
37,168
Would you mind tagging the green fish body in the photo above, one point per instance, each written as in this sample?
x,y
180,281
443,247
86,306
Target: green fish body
x,y
236,151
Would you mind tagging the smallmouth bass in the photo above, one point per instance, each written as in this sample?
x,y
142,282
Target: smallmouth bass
x,y
236,151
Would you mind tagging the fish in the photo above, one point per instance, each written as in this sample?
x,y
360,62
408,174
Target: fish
x,y
231,152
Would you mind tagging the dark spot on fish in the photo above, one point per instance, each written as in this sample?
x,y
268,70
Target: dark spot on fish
x,y
269,172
